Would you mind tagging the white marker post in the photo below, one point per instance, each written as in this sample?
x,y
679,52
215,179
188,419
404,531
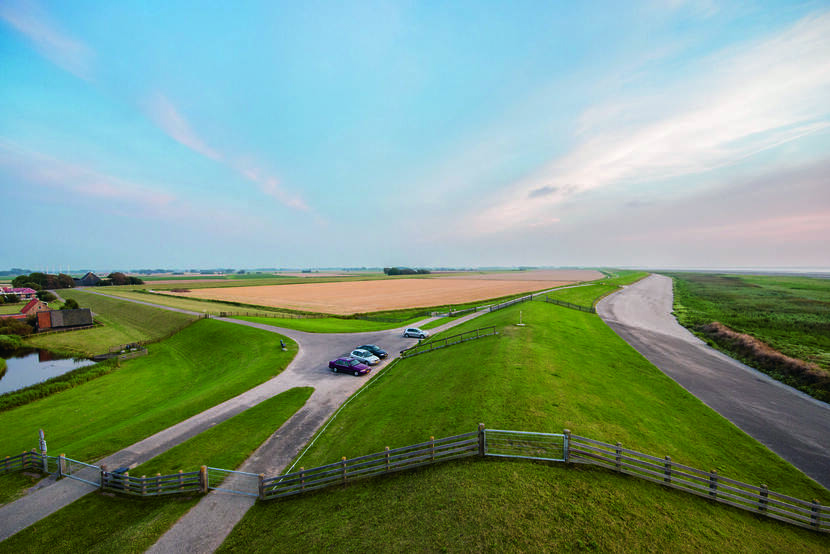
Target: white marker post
x,y
520,324
43,452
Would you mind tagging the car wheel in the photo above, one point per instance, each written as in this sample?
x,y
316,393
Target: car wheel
x,y
357,374
334,369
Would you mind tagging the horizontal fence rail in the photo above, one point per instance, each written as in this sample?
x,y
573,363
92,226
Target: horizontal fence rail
x,y
346,470
523,444
495,307
481,443
562,303
707,484
425,347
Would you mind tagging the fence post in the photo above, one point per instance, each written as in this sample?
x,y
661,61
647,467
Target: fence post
x,y
432,449
261,487
713,484
619,457
143,485
762,499
181,480
203,478
387,459
343,463
481,445
302,477
61,465
566,444
667,470
158,483
125,482
814,515
103,476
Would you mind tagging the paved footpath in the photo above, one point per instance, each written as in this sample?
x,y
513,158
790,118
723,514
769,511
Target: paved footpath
x,y
792,424
309,368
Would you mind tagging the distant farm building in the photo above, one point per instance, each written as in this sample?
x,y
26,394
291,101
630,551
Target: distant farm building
x,y
63,319
24,293
88,280
35,306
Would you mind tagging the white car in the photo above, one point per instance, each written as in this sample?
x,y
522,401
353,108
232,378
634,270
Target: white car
x,y
414,332
364,356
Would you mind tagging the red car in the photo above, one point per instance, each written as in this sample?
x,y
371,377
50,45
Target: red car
x,y
349,365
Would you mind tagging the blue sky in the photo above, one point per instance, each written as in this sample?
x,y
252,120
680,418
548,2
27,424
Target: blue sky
x,y
325,134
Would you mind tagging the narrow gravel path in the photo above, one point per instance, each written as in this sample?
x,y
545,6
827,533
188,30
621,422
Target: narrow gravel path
x,y
792,424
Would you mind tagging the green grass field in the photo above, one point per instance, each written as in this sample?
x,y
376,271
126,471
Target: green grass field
x,y
134,524
203,365
11,308
329,324
790,314
565,369
123,322
589,295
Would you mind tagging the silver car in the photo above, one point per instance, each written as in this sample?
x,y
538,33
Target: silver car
x,y
364,356
415,333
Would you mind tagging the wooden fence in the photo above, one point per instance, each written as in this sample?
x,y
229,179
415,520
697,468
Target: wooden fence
x,y
591,309
707,484
482,443
388,461
424,347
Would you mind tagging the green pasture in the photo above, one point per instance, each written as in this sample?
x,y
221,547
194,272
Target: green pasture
x,y
564,369
199,367
791,314
134,524
122,323
11,308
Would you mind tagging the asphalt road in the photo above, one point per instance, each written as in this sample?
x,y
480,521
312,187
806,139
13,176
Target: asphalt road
x,y
792,424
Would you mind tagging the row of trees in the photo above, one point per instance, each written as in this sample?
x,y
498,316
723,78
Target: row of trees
x,y
40,281
118,278
404,271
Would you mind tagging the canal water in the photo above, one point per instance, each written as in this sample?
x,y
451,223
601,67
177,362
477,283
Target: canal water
x,y
28,366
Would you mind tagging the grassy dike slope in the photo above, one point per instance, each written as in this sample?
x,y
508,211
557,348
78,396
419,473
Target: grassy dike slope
x,y
203,365
565,369
134,524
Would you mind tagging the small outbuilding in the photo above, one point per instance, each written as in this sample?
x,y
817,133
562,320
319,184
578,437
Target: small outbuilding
x,y
88,280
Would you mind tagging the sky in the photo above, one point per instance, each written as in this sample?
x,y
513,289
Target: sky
x,y
157,134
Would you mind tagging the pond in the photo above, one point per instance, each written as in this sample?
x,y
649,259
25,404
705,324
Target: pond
x,y
28,366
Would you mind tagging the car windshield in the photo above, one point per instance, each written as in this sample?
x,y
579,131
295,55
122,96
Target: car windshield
x,y
353,362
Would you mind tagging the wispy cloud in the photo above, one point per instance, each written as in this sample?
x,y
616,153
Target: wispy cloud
x,y
29,19
35,168
739,103
170,120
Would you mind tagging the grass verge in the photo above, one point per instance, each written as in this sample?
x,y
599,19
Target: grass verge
x,y
134,524
564,369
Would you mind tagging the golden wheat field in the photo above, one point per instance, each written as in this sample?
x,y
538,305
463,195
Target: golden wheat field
x,y
350,297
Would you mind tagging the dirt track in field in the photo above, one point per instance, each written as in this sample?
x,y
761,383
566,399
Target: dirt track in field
x,y
371,296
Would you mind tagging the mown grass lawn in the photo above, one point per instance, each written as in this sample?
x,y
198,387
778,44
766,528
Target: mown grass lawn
x,y
565,369
203,365
123,322
134,524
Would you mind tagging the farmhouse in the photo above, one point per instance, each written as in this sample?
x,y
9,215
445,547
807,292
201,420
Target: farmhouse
x,y
24,293
88,280
63,319
34,306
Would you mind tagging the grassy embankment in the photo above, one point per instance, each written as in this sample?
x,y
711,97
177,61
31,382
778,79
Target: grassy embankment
x,y
134,524
565,369
203,365
790,315
11,308
123,322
